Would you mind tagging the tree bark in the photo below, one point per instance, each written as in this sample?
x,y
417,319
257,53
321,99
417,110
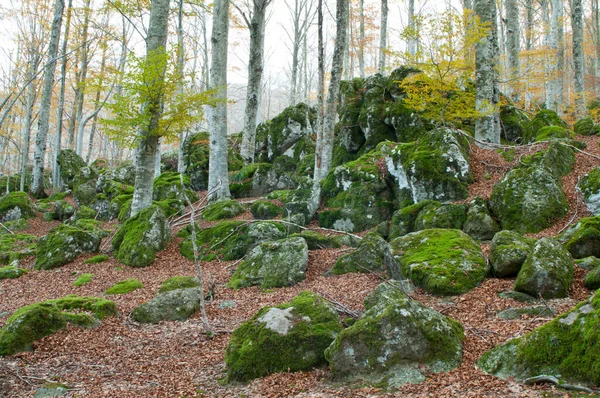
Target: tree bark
x,y
513,47
37,186
578,56
218,179
487,125
148,142
31,95
80,92
383,35
412,42
181,69
361,37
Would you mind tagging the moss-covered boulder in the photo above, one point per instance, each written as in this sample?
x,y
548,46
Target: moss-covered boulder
x,y
124,174
513,123
441,261
178,282
567,348
316,241
373,254
229,240
287,338
141,237
592,279
559,159
589,186
82,213
169,186
15,205
547,271
64,243
124,286
273,264
265,210
62,210
14,247
222,209
14,226
542,119
11,272
73,169
508,252
587,263
541,311
396,341
173,305
583,239
586,126
35,321
553,132
528,200
403,220
449,216
85,193
480,223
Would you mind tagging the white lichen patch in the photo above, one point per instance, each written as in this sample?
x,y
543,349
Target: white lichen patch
x,y
278,320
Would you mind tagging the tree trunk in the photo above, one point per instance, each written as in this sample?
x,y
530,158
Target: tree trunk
x,y
149,135
320,94
80,92
361,38
578,56
255,72
181,69
383,35
97,105
412,39
34,63
218,179
487,125
513,46
37,186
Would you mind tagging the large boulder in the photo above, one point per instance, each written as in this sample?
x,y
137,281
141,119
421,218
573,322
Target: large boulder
x,y
373,254
508,252
567,348
222,209
441,261
542,119
589,186
289,337
273,264
14,247
124,174
396,341
34,321
528,199
403,220
73,169
547,271
480,224
15,205
449,216
559,159
64,243
583,239
173,305
173,186
141,237
513,123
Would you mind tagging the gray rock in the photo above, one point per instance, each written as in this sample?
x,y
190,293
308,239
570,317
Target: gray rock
x,y
583,239
547,272
517,296
480,224
588,263
538,311
589,186
508,252
449,216
64,243
174,305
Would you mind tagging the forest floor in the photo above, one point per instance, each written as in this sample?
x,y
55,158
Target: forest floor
x,y
121,358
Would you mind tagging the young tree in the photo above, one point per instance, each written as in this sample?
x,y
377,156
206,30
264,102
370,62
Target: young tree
x,y
383,35
513,46
37,186
301,8
361,38
578,56
218,179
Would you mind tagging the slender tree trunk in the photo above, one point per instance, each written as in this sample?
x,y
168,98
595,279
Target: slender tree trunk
x,y
320,95
596,34
149,135
513,47
80,93
180,67
412,39
37,186
97,105
31,95
218,179
487,125
61,98
383,35
255,72
578,56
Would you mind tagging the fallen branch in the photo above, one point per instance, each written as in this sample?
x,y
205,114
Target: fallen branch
x,y
557,383
6,228
339,307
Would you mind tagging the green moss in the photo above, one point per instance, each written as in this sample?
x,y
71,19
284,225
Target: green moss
x,y
535,311
513,123
14,226
221,210
552,132
85,212
178,282
403,220
100,258
16,247
316,241
542,119
583,239
255,350
32,322
83,279
449,216
11,272
558,159
441,261
169,186
125,286
284,196
73,168
265,210
592,279
369,257
586,126
18,200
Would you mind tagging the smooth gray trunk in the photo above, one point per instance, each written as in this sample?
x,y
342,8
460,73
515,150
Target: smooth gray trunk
x,y
383,35
361,38
578,56
513,47
80,92
181,69
218,179
31,95
37,186
412,42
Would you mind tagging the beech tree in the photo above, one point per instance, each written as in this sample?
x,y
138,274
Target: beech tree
x,y
513,46
383,35
578,56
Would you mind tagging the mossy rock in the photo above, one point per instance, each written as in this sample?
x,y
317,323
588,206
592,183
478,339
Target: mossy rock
x,y
124,175
85,193
508,252
141,237
567,348
83,279
449,216
396,341
542,119
547,271
35,321
11,272
222,209
179,282
287,338
559,159
316,241
583,239
173,305
14,226
441,261
14,247
586,126
480,223
592,279
517,296
64,243
269,178
283,195
63,210
73,169
169,186
51,390
15,205
589,186
100,258
537,311
403,220
513,123
553,132
230,240
588,263
125,286
373,254
528,200
273,264
83,212
265,210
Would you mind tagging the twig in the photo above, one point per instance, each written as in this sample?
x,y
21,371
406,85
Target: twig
x,y
6,228
339,307
556,382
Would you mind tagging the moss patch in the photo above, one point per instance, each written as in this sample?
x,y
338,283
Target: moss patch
x,y
11,272
178,282
83,279
265,210
125,286
16,200
221,210
17,246
64,243
583,239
